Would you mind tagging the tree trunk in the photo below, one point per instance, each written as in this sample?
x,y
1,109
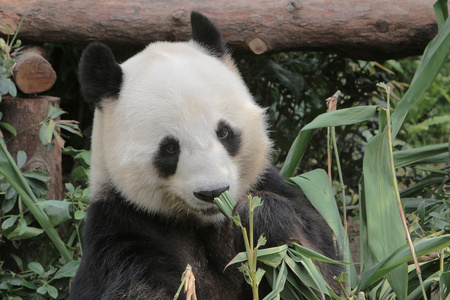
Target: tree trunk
x,y
364,29
22,113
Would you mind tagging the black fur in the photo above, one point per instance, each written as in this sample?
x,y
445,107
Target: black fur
x,y
206,33
166,160
130,254
99,74
286,216
230,138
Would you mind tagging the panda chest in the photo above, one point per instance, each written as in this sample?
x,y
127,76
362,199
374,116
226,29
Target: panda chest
x,y
207,251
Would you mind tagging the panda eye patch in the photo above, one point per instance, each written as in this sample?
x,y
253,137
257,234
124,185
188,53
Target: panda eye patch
x,y
166,159
230,139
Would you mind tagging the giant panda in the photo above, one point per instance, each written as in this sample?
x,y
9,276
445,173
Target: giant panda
x,y
174,127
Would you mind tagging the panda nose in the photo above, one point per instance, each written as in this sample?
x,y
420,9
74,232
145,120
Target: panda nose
x,y
209,195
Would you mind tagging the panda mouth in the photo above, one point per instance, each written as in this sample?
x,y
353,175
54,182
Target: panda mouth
x,y
208,211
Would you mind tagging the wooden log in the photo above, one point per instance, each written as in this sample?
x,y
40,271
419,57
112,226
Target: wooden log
x,y
364,29
32,73
23,113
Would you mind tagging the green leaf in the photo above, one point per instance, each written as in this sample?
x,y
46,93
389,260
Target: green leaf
x,y
18,261
339,117
9,222
57,211
261,241
400,257
384,230
28,285
21,158
11,88
68,270
279,282
272,256
38,175
259,275
8,63
52,291
84,157
9,128
444,285
22,226
49,131
269,256
417,292
414,156
316,187
441,12
80,174
28,233
14,177
226,204
80,215
434,56
315,255
36,268
310,271
300,274
42,131
42,290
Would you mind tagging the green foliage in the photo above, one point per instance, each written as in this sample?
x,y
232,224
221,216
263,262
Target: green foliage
x,y
28,219
6,62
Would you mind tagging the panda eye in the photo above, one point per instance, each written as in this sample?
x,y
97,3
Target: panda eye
x,y
172,148
223,132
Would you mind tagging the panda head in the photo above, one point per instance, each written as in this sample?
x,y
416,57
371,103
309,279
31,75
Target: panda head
x,y
174,125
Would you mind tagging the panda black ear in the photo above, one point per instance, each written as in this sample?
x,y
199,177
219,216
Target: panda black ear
x,y
99,74
207,34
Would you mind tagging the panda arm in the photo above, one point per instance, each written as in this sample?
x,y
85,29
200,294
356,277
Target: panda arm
x,y
124,257
286,216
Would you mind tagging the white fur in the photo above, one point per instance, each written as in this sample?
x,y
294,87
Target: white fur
x,y
177,89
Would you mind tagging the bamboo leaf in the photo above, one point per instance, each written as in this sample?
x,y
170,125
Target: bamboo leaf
x,y
441,12
382,218
279,283
444,284
408,157
339,117
316,256
434,56
400,257
316,187
416,294
270,256
300,272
